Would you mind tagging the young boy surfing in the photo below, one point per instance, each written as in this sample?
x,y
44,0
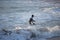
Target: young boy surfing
x,y
31,20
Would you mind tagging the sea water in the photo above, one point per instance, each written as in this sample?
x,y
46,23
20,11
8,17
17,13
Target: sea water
x,y
16,13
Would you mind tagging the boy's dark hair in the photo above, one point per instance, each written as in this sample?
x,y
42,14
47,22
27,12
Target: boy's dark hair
x,y
32,15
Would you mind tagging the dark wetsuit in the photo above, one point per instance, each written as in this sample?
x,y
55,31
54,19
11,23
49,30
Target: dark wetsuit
x,y
31,21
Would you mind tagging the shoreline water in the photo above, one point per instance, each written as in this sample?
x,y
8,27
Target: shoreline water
x,y
54,38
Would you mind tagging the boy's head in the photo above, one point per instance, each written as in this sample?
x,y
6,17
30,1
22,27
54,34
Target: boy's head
x,y
32,15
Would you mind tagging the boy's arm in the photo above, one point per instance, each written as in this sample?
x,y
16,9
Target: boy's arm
x,y
34,20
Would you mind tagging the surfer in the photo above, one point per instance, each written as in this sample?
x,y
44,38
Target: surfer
x,y
31,20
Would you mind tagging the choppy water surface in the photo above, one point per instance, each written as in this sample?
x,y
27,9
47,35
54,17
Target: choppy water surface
x,y
17,13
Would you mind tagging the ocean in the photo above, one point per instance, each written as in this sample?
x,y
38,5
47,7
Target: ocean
x,y
16,13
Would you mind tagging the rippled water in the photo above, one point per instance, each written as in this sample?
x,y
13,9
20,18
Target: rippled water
x,y
17,13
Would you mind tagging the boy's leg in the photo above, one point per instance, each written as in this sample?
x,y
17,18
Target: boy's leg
x,y
29,22
33,23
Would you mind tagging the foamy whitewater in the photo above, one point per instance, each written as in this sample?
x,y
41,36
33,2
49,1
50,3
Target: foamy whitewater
x,y
14,16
